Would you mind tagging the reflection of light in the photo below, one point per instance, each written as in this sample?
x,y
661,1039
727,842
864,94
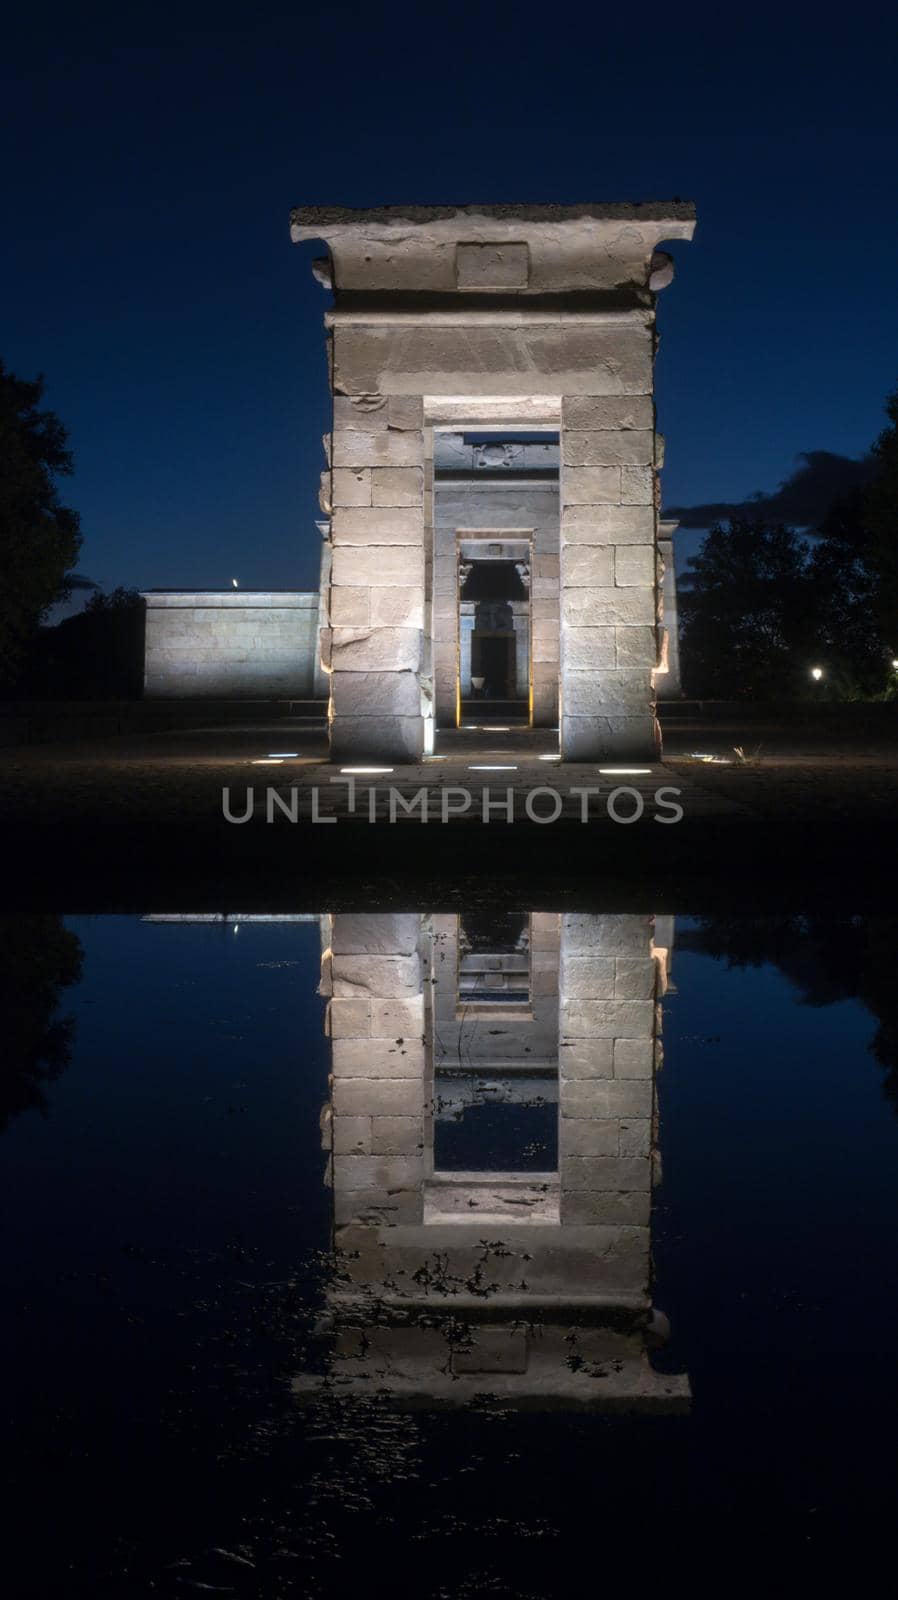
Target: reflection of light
x,y
236,927
488,729
268,761
625,772
282,755
366,769
816,674
501,767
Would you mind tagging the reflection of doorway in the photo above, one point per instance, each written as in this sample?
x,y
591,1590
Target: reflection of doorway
x,y
494,631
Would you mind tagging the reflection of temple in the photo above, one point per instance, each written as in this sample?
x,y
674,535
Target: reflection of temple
x,y
491,1146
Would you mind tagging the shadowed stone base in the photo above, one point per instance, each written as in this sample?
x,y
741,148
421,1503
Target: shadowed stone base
x,y
377,739
610,739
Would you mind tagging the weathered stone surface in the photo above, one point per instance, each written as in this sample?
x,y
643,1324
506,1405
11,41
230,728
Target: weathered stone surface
x,y
609,934
376,1097
637,486
636,1137
608,525
606,694
349,607
634,565
369,694
636,647
589,1136
622,1173
607,448
633,1060
351,487
606,1097
386,977
375,933
394,447
587,486
609,739
393,1019
592,413
377,739
401,607
376,650
570,358
588,649
352,1136
348,1018
607,1019
604,607
586,977
359,1058
634,979
492,266
377,1172
397,486
377,525
585,1058
591,1206
396,1135
588,565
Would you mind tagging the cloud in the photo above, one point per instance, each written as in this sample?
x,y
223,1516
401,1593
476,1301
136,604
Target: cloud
x,y
802,500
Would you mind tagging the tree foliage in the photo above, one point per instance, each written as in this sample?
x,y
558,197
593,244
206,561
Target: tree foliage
x,y
39,536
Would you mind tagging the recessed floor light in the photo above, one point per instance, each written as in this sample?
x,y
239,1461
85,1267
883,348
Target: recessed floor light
x,y
500,767
487,728
268,761
550,758
365,771
282,755
625,772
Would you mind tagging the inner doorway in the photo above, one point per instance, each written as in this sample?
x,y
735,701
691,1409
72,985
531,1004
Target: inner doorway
x,y
494,629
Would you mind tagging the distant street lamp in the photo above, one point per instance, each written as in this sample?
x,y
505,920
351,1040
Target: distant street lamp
x,y
816,674
895,665
235,583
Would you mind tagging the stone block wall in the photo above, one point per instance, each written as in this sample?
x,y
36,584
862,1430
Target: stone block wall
x,y
609,585
231,644
375,649
608,1029
372,974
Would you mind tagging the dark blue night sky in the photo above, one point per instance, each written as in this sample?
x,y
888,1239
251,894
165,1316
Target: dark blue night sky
x,y
153,156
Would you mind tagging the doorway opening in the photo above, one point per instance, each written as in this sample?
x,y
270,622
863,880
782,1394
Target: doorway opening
x,y
494,631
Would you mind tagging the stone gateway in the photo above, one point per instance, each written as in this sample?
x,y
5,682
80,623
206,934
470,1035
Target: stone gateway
x,y
492,471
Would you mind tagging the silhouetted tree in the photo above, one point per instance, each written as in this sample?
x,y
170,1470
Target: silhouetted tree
x,y
880,510
38,959
39,537
826,958
745,604
96,655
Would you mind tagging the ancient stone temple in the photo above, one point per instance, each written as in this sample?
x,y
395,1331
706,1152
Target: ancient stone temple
x,y
491,1143
492,472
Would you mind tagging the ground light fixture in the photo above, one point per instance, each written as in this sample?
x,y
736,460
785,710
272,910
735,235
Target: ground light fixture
x,y
267,761
552,757
365,772
625,772
282,755
501,766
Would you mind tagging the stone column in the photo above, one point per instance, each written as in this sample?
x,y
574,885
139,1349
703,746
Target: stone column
x,y
371,970
608,565
377,575
606,1070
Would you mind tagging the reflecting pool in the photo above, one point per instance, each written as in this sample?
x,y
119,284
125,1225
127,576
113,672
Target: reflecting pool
x,y
431,1250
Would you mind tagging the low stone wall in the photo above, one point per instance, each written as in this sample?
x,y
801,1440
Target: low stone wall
x,y
234,644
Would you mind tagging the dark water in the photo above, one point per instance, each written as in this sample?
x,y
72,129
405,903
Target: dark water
x,y
167,1259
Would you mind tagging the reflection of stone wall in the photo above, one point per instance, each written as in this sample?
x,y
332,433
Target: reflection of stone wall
x,y
535,1289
